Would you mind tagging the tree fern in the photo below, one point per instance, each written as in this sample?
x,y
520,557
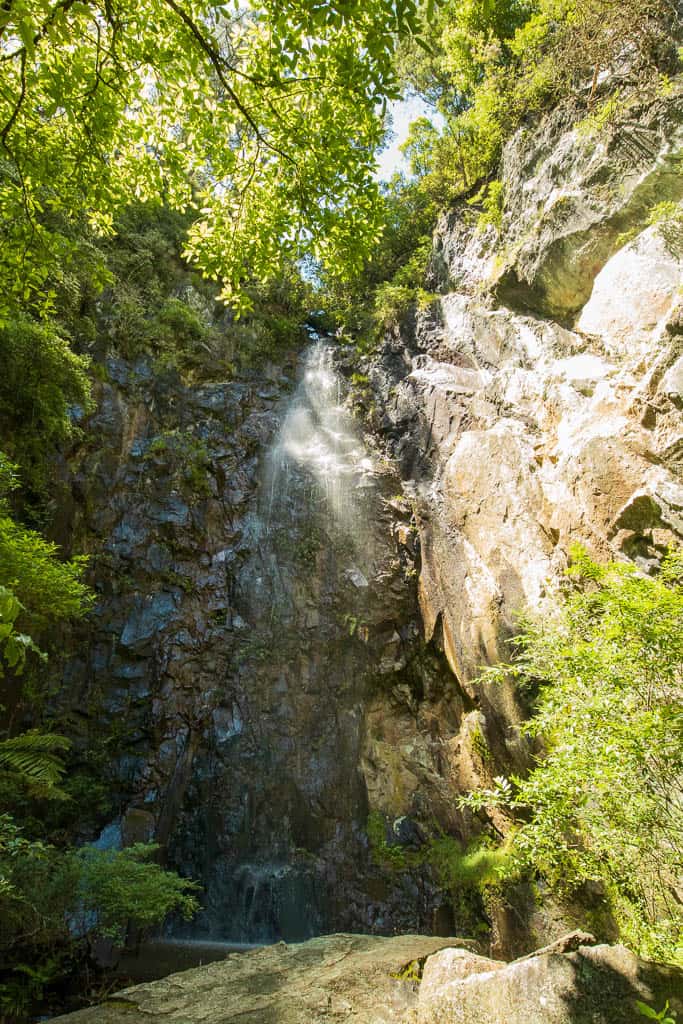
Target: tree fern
x,y
35,756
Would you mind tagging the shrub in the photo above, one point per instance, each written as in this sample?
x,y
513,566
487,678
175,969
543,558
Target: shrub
x,y
47,589
41,379
603,804
54,901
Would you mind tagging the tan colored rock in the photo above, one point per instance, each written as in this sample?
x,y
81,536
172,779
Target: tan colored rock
x,y
327,980
633,292
369,980
452,965
591,985
518,437
571,193
672,381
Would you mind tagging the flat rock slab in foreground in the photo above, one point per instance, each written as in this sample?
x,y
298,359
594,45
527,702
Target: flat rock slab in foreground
x,y
328,979
352,978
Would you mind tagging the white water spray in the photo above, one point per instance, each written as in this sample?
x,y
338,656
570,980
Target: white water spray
x,y
319,436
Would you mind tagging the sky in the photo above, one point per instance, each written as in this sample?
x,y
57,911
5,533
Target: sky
x,y
403,112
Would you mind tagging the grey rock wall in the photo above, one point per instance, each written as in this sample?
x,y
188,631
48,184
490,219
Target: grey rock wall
x,y
243,646
536,404
264,682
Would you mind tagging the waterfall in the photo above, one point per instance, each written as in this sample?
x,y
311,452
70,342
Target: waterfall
x,y
288,804
319,437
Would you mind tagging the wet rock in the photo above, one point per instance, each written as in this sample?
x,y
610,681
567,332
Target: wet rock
x,y
138,826
150,617
406,832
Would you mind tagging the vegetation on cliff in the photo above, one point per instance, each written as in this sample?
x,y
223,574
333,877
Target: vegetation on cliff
x,y
245,137
488,69
602,805
138,166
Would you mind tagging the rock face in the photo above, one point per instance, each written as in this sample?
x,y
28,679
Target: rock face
x,y
372,980
257,609
536,403
573,189
269,675
591,985
332,978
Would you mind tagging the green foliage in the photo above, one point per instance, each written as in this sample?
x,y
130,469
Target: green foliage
x,y
35,757
392,857
9,476
480,746
118,888
392,278
477,867
602,116
394,301
411,972
486,70
263,118
604,804
183,449
50,898
46,588
40,380
156,305
14,646
54,903
491,199
493,63
668,218
480,866
18,993
663,1015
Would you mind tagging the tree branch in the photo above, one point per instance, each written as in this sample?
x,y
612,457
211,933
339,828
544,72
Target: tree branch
x,y
17,106
218,66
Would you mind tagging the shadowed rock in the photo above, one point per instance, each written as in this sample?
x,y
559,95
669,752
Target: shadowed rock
x,y
370,980
332,978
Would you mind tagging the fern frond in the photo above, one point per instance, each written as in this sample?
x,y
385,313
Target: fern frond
x,y
35,756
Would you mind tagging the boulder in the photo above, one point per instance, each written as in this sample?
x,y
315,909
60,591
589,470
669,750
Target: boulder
x,y
634,291
359,978
365,979
557,985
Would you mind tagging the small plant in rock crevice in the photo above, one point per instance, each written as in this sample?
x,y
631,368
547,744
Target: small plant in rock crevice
x,y
664,1016
188,454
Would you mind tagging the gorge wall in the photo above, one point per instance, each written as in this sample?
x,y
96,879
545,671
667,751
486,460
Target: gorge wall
x,y
285,646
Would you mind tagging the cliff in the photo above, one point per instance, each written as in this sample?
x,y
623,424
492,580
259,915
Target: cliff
x,y
285,671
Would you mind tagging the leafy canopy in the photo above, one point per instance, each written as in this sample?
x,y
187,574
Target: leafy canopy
x,y
263,118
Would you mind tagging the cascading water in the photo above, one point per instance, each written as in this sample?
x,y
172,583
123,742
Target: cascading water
x,y
319,437
292,798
